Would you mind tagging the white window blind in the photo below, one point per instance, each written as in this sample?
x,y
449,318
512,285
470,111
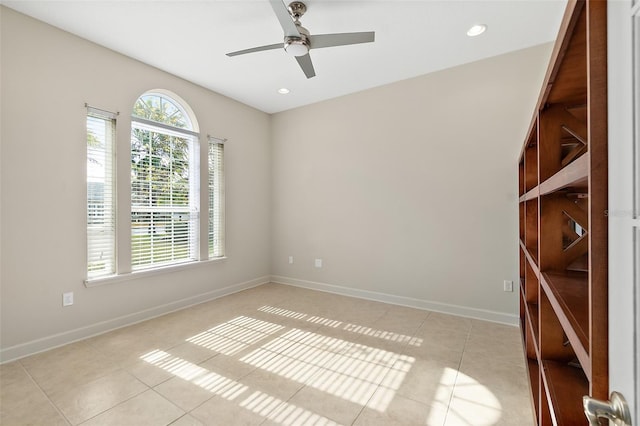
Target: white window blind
x,y
216,197
101,218
164,191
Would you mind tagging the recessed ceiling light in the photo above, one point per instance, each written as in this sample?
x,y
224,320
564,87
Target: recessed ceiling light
x,y
476,30
283,90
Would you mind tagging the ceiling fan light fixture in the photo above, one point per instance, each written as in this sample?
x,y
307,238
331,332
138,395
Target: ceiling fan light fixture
x,y
476,30
296,46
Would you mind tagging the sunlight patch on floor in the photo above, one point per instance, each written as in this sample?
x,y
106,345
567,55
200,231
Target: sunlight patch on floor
x,y
339,367
233,336
282,412
353,328
213,382
472,403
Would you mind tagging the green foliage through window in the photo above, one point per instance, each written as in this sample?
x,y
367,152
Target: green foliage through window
x,y
163,201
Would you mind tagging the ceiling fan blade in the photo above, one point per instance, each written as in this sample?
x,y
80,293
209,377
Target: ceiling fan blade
x,y
340,39
286,22
256,49
306,65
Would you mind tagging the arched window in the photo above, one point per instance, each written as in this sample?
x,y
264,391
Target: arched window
x,y
172,219
164,184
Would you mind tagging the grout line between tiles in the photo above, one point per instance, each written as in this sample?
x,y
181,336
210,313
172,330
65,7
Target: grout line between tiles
x,y
44,393
455,383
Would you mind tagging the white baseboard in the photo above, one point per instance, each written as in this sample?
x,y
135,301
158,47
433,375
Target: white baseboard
x,y
463,311
40,345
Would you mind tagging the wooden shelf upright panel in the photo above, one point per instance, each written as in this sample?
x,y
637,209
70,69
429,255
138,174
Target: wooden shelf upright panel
x,y
562,173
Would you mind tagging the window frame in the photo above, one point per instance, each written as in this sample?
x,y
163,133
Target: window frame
x,y
110,225
123,204
216,198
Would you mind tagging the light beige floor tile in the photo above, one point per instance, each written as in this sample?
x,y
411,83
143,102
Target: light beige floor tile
x,y
498,350
11,372
219,411
41,415
186,394
326,405
296,341
231,367
271,384
148,408
448,352
149,374
499,385
377,346
487,329
490,392
86,401
187,420
126,345
67,367
300,309
365,313
401,320
22,402
430,382
446,321
298,367
515,411
355,386
269,294
287,414
190,352
403,411
429,335
507,377
464,412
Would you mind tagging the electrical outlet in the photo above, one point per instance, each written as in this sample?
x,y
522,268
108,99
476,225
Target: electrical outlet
x,y
290,260
67,298
318,263
508,285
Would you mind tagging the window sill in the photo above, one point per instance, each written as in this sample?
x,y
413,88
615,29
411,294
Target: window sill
x,y
112,279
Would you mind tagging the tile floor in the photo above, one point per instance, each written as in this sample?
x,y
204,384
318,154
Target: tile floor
x,y
278,355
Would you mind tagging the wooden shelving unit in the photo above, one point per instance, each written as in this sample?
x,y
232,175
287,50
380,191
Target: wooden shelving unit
x,y
563,223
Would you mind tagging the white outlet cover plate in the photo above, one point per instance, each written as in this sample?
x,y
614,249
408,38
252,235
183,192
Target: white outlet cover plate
x,y
67,299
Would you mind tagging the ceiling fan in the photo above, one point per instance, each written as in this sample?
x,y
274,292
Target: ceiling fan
x,y
297,39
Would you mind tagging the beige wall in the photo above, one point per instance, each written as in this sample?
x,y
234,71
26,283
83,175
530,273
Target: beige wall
x,y
47,76
408,192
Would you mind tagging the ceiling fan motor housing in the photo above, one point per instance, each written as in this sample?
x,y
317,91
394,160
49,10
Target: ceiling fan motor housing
x,y
298,46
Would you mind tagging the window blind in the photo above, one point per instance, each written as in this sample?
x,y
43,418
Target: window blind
x,y
164,215
101,218
216,197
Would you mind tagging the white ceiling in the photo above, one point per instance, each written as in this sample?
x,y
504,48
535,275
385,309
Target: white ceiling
x,y
189,38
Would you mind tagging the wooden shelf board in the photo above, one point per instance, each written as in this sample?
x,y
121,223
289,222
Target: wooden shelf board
x,y
565,387
532,258
574,174
568,293
532,319
534,381
530,195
